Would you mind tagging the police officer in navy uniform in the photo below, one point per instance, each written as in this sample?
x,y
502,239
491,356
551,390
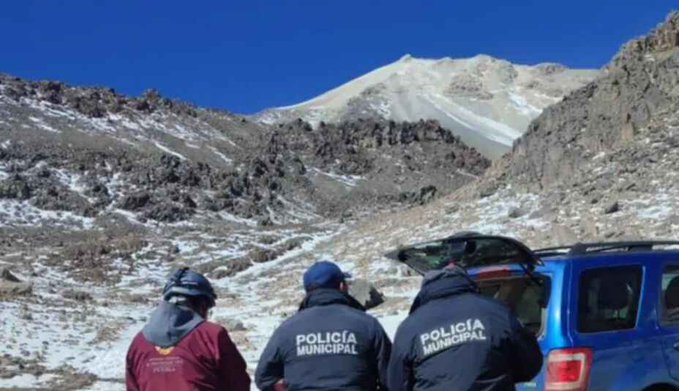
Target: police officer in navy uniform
x,y
330,344
457,339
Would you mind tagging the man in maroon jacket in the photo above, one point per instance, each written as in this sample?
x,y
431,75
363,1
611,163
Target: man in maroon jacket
x,y
178,350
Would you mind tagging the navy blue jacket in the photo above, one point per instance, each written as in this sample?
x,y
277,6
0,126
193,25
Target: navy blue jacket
x,y
457,339
330,344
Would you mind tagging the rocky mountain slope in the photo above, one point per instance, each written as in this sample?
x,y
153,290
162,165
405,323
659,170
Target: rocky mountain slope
x,y
380,163
89,152
631,106
73,295
600,165
486,101
101,195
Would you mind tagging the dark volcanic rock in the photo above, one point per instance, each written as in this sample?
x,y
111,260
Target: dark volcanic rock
x,y
420,197
168,212
76,295
93,102
15,188
60,198
612,208
7,275
351,147
90,150
135,201
515,213
231,268
11,286
607,114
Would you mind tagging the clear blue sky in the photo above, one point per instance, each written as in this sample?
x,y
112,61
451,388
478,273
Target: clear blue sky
x,y
247,55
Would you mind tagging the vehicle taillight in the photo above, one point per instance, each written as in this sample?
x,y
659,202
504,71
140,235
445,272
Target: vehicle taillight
x,y
492,273
568,369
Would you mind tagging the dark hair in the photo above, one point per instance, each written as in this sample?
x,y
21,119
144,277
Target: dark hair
x,y
337,284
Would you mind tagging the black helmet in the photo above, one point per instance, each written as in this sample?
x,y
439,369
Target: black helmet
x,y
185,282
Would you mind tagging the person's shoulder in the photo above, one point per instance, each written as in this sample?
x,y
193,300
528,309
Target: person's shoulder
x,y
409,325
139,337
361,317
138,344
211,328
358,317
300,317
331,313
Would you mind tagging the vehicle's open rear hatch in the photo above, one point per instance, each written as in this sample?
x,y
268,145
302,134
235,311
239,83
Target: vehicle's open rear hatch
x,y
525,292
467,250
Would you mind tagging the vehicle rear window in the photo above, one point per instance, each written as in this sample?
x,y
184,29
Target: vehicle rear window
x,y
609,299
670,295
526,298
473,252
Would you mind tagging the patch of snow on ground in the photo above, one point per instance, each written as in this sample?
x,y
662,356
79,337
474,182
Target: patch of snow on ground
x,y
168,150
298,213
3,172
656,208
42,124
236,219
125,121
51,109
73,182
94,343
347,180
504,134
467,174
221,155
106,386
101,124
522,105
26,381
182,132
448,113
22,213
599,155
108,361
491,216
115,186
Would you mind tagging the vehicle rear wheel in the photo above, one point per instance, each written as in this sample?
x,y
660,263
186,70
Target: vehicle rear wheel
x,y
661,387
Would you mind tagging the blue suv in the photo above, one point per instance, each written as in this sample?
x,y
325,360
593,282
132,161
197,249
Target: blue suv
x,y
606,314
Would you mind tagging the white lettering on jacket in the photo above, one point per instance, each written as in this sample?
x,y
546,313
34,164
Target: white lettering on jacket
x,y
443,338
329,342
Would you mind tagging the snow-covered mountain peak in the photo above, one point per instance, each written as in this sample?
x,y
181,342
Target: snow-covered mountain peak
x,y
406,57
487,101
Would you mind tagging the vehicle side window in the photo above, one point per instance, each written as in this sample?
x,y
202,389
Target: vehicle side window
x,y
609,298
670,295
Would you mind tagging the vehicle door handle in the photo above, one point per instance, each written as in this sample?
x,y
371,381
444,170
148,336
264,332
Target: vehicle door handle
x,y
676,345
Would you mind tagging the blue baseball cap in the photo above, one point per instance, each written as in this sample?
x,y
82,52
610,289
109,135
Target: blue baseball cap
x,y
324,274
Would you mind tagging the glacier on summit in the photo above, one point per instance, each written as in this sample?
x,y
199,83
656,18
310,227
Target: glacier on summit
x,y
487,102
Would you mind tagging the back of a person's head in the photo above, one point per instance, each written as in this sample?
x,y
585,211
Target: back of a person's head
x,y
189,288
323,275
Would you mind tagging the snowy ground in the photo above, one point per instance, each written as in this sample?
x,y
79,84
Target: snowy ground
x,y
69,339
63,338
66,339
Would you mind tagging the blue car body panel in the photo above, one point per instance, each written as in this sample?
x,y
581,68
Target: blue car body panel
x,y
623,360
